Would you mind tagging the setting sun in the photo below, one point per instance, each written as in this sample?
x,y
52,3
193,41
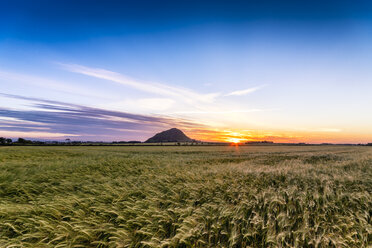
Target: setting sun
x,y
234,140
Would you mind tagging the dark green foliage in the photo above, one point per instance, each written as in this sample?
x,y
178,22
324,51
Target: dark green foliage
x,y
5,141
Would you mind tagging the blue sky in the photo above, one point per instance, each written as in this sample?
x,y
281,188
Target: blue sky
x,y
279,70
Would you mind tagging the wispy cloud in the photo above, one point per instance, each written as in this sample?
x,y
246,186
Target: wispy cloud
x,y
169,100
179,93
328,130
219,112
245,91
49,84
59,119
321,130
143,104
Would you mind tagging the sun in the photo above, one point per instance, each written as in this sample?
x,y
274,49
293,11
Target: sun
x,y
234,140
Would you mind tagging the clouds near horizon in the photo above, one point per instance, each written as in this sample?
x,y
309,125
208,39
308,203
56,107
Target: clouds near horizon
x,y
59,119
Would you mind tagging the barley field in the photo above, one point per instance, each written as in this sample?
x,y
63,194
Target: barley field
x,y
186,196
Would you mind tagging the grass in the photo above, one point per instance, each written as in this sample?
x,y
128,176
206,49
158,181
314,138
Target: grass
x,y
252,196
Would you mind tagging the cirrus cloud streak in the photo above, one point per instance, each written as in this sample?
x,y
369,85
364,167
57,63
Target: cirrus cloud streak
x,y
59,119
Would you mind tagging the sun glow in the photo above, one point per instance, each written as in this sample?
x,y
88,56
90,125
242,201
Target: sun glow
x,y
236,136
234,140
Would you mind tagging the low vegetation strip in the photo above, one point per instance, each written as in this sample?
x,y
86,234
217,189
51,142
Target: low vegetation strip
x,y
251,196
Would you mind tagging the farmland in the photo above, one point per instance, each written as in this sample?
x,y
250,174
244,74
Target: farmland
x,y
186,196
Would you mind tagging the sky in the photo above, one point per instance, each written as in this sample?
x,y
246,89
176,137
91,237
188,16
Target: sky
x,y
284,71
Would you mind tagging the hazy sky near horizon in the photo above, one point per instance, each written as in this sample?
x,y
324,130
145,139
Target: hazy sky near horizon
x,y
121,70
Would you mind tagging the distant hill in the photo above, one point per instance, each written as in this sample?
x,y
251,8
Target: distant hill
x,y
171,135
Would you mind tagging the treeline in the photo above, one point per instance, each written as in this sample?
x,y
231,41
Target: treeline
x,y
5,141
19,141
22,141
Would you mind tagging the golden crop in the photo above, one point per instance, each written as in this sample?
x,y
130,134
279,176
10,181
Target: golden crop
x,y
186,196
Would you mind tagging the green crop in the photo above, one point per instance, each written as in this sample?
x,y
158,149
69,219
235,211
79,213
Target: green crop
x,y
194,196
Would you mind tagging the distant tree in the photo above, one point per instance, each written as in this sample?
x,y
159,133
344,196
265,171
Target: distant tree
x,y
36,142
9,141
24,141
67,140
2,141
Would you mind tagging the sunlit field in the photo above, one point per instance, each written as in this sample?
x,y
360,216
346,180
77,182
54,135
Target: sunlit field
x,y
186,196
